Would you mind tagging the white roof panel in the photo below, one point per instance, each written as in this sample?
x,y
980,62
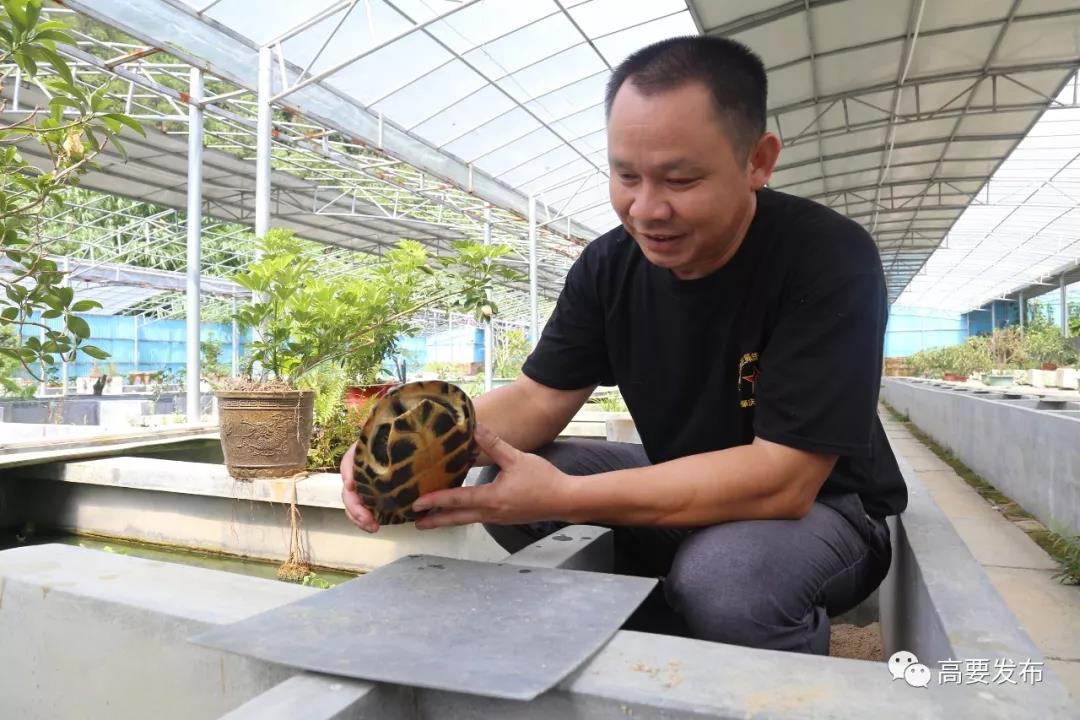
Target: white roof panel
x,y
870,96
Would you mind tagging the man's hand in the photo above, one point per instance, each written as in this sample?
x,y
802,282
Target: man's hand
x,y
356,511
528,489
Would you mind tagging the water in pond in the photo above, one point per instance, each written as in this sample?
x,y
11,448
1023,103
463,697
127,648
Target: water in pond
x,y
164,553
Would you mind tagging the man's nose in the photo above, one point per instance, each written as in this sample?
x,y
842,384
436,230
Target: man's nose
x,y
649,205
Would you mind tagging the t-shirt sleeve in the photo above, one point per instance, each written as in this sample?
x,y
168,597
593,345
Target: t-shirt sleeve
x,y
572,352
820,370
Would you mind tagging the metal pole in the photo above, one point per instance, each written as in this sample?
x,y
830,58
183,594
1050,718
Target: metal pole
x,y
489,361
194,239
534,307
64,369
135,359
1023,311
42,367
262,144
993,315
235,341
1064,308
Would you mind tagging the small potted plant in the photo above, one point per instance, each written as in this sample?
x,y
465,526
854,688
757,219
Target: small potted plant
x,y
1005,351
304,317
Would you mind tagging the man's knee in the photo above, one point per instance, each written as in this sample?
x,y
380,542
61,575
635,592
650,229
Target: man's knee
x,y
734,591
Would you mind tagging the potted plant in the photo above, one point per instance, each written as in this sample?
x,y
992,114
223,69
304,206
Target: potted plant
x,y
306,317
1005,345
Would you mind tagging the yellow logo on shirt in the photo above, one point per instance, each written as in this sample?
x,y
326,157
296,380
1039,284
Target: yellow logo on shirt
x,y
748,378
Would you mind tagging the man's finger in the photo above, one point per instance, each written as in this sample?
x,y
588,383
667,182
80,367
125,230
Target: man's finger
x,y
501,452
460,497
445,518
358,513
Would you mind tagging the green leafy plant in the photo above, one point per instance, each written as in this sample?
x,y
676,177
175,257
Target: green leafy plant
x,y
1043,344
511,350
209,357
333,435
74,129
304,319
9,368
1006,348
610,403
313,580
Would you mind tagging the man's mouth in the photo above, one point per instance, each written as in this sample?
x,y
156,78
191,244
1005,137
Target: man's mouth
x,y
661,237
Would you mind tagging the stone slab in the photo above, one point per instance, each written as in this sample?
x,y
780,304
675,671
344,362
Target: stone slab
x,y
996,542
1069,672
1049,611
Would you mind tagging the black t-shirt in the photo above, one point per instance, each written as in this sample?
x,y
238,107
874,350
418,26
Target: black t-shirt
x,y
784,343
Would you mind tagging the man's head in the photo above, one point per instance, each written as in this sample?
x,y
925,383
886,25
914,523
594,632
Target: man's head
x,y
687,148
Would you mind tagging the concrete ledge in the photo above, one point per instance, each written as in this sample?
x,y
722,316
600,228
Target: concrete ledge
x,y
1027,447
198,506
93,635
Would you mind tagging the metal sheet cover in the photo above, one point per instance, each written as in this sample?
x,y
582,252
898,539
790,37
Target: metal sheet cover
x,y
492,629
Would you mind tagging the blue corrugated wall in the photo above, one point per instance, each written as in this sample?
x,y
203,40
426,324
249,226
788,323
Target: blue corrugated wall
x,y
912,329
162,344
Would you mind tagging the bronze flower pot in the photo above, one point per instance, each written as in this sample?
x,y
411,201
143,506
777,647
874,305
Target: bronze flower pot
x,y
265,434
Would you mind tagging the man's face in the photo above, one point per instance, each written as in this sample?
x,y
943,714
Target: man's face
x,y
676,183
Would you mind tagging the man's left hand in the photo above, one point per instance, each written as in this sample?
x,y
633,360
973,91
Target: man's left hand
x,y
529,489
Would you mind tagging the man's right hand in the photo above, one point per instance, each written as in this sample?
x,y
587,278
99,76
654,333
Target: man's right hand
x,y
357,512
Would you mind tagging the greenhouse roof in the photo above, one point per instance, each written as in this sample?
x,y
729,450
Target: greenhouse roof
x,y
896,114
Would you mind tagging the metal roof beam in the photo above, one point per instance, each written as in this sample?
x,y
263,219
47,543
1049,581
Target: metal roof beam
x,y
204,43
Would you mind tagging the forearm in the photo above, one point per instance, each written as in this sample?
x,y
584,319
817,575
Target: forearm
x,y
525,414
740,483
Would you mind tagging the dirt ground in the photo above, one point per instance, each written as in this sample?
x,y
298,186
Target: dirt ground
x,y
857,643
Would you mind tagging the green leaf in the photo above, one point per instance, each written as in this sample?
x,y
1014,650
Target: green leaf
x,y
33,10
119,147
26,62
85,306
78,326
50,314
53,35
67,102
58,63
94,352
130,122
17,14
66,295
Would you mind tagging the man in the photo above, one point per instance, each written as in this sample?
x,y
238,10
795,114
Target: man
x,y
744,328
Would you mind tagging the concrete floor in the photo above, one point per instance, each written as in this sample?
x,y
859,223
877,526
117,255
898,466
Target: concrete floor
x,y
1019,569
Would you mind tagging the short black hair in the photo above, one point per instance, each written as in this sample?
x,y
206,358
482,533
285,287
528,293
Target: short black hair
x,y
732,72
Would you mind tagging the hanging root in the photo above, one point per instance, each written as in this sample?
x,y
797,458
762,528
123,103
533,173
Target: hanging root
x,y
297,567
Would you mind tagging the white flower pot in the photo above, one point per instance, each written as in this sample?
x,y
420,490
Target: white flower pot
x,y
1068,378
1035,378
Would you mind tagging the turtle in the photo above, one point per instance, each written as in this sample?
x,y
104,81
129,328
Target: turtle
x,y
419,437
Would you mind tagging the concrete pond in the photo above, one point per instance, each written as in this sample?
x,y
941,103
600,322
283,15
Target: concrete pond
x,y
93,633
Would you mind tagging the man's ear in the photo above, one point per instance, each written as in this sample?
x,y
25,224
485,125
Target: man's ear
x,y
763,159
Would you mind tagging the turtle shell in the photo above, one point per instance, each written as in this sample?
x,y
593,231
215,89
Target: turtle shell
x,y
419,438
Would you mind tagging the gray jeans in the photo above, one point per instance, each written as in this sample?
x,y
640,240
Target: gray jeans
x,y
759,583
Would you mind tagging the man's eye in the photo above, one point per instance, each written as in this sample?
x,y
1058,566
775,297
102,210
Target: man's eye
x,y
681,181
627,177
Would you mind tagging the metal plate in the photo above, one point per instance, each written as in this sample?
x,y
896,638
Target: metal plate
x,y
491,629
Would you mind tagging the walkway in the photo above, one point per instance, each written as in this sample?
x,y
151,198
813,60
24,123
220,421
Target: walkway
x,y
1020,570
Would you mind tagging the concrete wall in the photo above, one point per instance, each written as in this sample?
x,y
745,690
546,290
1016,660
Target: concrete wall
x,y
1031,455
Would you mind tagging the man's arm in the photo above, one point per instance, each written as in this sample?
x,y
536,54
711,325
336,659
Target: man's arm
x,y
526,414
763,480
